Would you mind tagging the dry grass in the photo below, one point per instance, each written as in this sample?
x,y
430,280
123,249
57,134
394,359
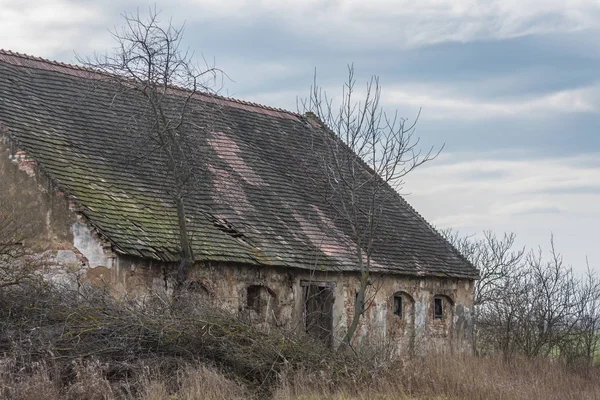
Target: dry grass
x,y
445,377
195,384
435,378
91,382
28,386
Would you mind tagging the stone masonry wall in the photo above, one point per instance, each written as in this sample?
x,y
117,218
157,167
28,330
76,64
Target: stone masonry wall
x,y
226,285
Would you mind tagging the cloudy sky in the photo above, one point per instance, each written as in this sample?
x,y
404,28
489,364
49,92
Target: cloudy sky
x,y
511,87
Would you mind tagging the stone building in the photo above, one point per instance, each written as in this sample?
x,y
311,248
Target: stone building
x,y
265,242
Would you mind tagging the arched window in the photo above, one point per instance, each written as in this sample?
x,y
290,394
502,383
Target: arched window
x,y
402,304
194,296
442,307
260,299
198,288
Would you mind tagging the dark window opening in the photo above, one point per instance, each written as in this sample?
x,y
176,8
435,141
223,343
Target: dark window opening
x,y
438,308
196,290
253,298
398,305
194,296
197,287
262,301
318,309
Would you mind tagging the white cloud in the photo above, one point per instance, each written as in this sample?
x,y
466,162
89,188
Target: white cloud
x,y
527,207
531,197
47,27
448,103
407,23
522,176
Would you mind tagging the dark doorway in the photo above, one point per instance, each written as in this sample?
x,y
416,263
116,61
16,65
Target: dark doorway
x,y
318,309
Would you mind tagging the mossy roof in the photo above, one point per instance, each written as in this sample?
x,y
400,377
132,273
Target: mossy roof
x,y
257,199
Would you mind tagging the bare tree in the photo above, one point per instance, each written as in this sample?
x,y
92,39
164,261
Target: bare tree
x,y
587,341
367,152
149,61
497,260
529,303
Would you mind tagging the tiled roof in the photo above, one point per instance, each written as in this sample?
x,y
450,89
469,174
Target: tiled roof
x,y
256,201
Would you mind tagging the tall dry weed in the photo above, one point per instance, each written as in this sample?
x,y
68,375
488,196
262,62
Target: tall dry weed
x,y
36,384
207,383
448,377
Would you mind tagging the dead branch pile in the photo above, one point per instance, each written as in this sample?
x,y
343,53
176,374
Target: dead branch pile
x,y
39,323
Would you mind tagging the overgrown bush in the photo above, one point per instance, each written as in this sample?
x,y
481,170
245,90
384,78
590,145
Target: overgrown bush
x,y
530,303
40,323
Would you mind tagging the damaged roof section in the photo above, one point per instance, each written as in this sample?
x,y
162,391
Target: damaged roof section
x,y
254,201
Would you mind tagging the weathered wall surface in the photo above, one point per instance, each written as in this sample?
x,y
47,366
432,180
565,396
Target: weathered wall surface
x,y
42,211
63,244
227,285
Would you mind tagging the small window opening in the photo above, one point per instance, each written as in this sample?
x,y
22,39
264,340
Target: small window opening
x,y
398,305
253,298
438,308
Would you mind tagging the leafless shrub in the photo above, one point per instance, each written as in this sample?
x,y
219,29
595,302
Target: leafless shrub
x,y
16,265
531,304
40,323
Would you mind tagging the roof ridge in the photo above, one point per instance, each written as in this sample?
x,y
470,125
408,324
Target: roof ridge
x,y
61,64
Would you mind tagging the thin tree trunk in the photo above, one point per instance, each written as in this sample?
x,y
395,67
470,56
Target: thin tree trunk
x,y
358,310
187,256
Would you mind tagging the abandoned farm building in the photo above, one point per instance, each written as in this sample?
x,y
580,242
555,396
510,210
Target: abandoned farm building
x,y
265,241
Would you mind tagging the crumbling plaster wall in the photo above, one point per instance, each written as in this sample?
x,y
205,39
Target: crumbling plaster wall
x,y
61,242
226,284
